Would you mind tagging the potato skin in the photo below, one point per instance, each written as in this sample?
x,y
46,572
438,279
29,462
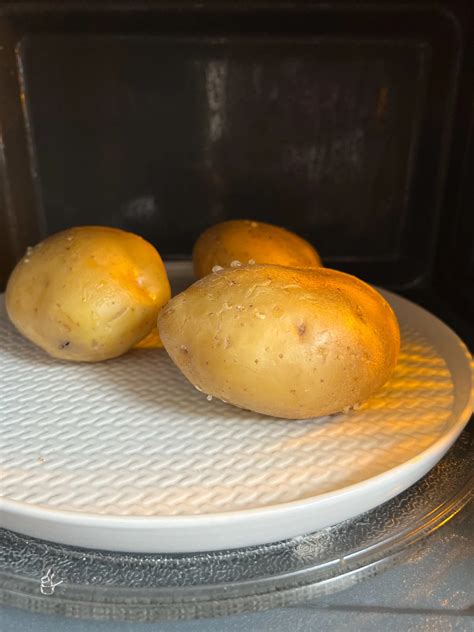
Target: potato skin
x,y
88,293
152,341
285,342
245,240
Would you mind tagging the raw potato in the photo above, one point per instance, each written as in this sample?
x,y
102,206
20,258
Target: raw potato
x,y
281,341
88,293
244,241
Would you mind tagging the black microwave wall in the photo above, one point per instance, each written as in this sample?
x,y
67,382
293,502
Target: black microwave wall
x,y
350,123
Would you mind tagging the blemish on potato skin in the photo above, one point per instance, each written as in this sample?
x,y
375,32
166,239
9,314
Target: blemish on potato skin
x,y
277,311
120,313
360,314
323,352
301,329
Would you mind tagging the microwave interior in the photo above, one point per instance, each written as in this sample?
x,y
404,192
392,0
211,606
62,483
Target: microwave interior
x,y
349,124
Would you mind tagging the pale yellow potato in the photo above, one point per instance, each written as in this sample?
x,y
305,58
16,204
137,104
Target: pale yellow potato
x,y
285,342
244,240
88,293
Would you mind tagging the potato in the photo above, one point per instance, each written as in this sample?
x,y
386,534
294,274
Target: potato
x,y
246,241
286,342
88,293
152,341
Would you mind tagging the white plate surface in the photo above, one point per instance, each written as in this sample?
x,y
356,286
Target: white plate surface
x,y
127,455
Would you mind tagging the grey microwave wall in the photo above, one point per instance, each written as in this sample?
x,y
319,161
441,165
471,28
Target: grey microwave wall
x,y
332,120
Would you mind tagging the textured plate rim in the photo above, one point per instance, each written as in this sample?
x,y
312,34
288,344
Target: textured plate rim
x,y
408,468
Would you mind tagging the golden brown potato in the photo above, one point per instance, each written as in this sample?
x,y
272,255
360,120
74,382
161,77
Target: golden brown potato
x,y
286,342
255,242
87,293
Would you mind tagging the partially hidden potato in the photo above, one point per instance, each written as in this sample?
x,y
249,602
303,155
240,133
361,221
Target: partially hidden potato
x,y
88,293
152,341
282,341
247,241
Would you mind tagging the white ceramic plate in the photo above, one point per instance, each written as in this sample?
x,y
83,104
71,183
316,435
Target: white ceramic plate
x,y
127,455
